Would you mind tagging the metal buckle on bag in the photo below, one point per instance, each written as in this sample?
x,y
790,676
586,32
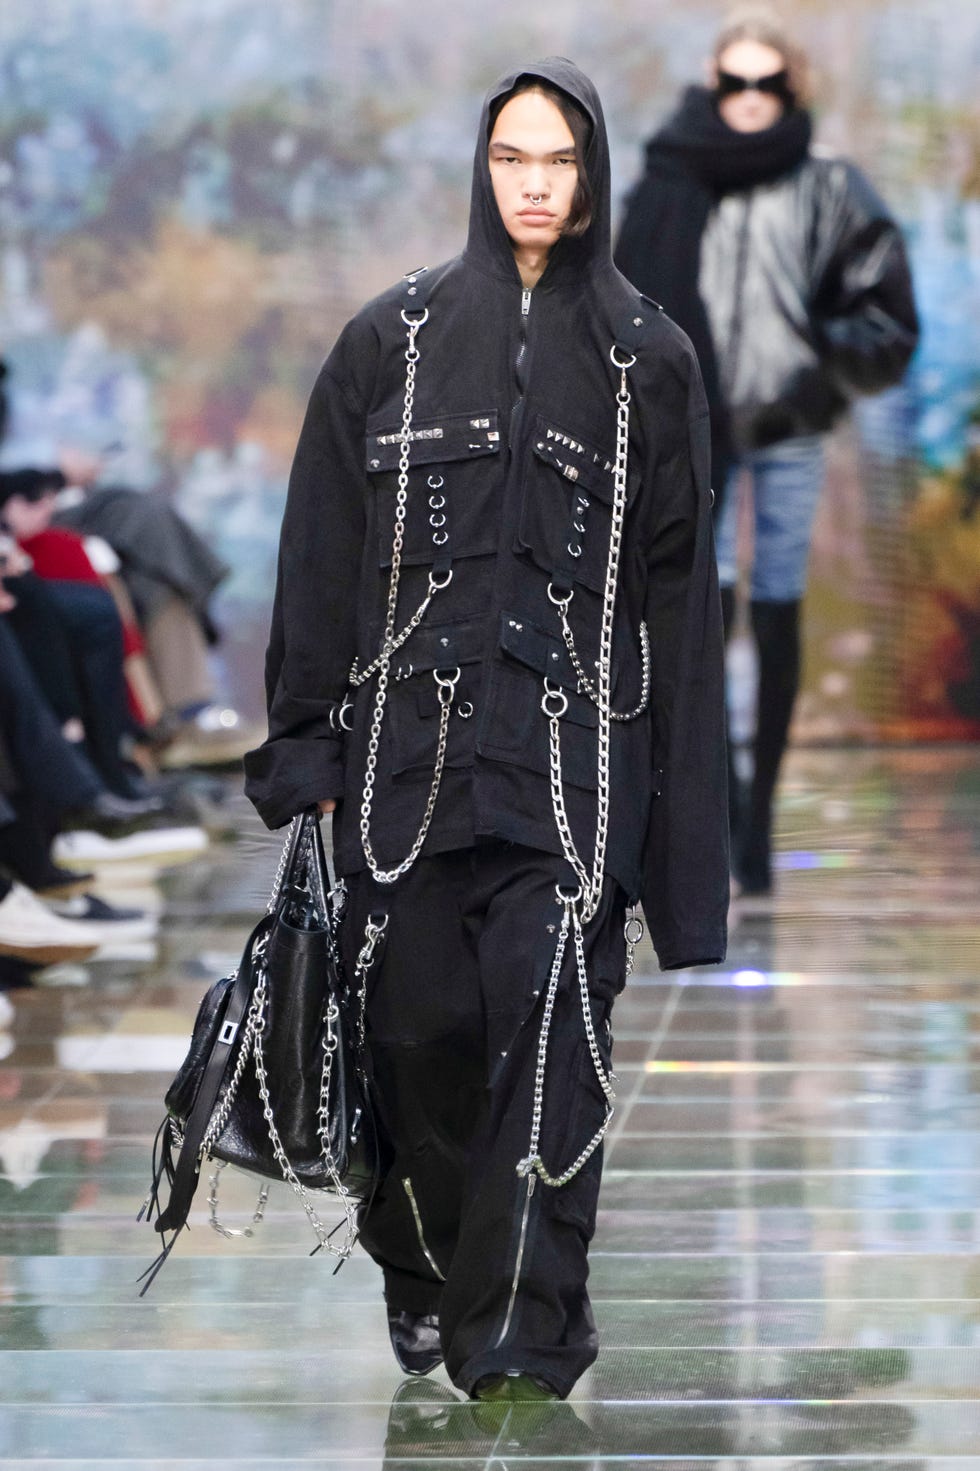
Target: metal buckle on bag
x,y
228,1033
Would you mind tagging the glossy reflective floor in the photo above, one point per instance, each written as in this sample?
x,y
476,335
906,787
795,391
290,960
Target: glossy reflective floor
x,y
787,1266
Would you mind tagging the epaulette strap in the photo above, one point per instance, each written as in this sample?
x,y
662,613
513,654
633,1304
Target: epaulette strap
x,y
415,290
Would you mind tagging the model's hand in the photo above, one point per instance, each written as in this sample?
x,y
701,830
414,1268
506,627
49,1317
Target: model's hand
x,y
326,807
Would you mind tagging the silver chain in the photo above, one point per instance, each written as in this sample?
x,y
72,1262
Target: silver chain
x,y
571,920
282,1160
251,1047
554,707
586,685
362,967
214,1220
361,676
446,684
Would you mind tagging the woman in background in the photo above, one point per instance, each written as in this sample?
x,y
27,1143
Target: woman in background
x,y
786,270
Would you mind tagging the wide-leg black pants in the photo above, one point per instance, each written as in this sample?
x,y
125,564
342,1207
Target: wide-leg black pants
x,y
455,1003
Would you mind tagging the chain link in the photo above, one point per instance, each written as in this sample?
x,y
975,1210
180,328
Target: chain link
x,y
592,883
446,686
362,968
533,1163
586,685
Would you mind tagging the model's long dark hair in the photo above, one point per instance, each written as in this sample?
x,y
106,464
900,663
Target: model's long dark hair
x,y
580,126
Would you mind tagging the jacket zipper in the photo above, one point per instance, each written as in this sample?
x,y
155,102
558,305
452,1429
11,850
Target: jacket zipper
x,y
407,1186
522,344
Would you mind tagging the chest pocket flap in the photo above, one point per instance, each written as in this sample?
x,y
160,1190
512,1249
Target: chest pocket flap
x,y
453,489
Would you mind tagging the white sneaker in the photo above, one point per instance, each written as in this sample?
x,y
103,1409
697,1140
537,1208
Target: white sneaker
x,y
107,923
165,844
31,931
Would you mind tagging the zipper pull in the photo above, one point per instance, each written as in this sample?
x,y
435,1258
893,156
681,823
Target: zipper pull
x,y
525,301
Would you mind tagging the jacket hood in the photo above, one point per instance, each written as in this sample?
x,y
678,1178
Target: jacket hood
x,y
488,245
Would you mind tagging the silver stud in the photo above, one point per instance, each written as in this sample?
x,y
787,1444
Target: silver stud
x,y
637,321
375,464
412,290
444,642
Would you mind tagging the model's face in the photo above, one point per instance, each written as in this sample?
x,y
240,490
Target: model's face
x,y
533,170
750,111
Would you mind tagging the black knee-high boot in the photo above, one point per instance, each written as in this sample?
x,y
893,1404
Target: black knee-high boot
x,y
735,796
776,627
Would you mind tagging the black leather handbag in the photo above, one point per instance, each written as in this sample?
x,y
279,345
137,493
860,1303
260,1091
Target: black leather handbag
x,y
276,1077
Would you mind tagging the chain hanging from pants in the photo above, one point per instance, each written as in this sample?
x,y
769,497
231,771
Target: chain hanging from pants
x,y
445,681
581,906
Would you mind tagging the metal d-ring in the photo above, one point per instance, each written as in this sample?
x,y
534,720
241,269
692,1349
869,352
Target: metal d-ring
x,y
574,551
553,597
557,694
446,576
567,894
633,930
465,710
415,321
447,685
435,482
346,708
613,358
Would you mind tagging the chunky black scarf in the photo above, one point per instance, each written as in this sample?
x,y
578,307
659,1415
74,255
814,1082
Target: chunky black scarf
x,y
693,160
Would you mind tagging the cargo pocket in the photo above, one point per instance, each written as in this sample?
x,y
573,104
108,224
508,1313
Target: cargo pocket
x,y
413,697
454,487
566,507
577,1201
515,728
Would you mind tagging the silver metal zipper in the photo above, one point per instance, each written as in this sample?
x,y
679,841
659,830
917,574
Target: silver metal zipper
x,y
525,301
407,1186
532,1180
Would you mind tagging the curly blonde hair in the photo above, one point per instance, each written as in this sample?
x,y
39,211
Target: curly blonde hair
x,y
762,23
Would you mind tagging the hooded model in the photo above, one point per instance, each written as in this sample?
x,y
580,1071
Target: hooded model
x,y
497,645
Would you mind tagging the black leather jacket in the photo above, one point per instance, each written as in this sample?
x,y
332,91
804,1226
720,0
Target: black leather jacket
x,y
510,487
809,299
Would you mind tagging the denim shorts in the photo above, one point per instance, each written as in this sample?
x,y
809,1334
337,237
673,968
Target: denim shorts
x,y
784,482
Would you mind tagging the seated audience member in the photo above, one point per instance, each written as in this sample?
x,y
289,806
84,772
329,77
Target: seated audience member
x,y
69,624
47,783
171,575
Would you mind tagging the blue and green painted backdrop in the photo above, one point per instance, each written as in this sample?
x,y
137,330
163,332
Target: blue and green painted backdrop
x,y
195,194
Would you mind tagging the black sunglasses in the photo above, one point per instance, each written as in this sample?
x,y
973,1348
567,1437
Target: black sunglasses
x,y
776,84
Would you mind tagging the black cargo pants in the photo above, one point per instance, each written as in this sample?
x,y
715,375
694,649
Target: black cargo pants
x,y
455,1003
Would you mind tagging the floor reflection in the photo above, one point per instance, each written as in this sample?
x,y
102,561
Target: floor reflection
x,y
787,1266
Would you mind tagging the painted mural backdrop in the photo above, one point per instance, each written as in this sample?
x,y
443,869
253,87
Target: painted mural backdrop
x,y
195,194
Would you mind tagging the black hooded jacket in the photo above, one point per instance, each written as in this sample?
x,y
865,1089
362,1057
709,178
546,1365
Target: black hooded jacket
x,y
514,418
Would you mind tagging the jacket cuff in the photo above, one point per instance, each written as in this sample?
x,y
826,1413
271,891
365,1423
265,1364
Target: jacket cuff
x,y
285,776
690,950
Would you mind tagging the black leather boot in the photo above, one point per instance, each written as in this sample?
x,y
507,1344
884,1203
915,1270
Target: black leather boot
x,y
415,1340
776,627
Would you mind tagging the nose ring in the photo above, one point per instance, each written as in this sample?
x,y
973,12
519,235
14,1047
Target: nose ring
x,y
535,199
